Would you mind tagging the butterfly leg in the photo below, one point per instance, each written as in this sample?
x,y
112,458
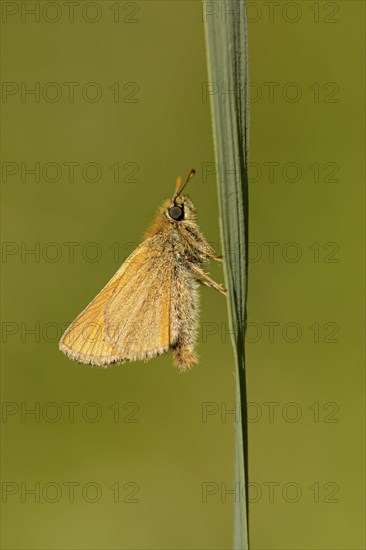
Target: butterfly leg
x,y
205,279
211,252
219,259
200,243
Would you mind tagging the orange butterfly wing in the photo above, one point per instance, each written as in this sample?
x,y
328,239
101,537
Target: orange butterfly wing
x,y
130,318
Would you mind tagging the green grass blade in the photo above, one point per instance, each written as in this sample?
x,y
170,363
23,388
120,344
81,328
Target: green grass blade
x,y
227,52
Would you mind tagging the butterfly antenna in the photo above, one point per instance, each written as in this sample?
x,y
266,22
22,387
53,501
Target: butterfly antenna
x,y
178,183
180,187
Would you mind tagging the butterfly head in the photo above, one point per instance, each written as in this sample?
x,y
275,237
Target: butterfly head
x,y
181,210
181,207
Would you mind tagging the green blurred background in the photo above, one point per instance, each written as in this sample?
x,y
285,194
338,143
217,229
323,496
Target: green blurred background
x,y
148,453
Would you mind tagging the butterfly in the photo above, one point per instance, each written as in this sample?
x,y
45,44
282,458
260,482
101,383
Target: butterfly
x,y
150,306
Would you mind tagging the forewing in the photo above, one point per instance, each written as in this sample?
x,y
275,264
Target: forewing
x,y
86,340
138,314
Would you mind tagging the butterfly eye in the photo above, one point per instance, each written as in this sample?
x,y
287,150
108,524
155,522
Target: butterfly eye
x,y
176,212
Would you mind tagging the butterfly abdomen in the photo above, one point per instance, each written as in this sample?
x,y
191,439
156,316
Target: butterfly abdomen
x,y
184,317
